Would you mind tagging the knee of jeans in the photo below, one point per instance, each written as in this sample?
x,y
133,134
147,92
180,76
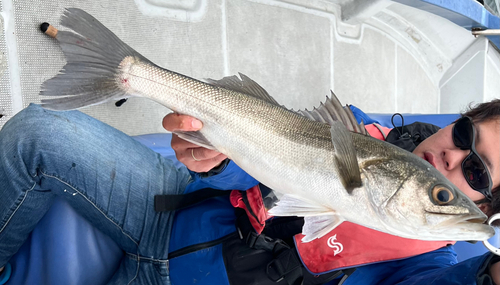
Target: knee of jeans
x,y
34,127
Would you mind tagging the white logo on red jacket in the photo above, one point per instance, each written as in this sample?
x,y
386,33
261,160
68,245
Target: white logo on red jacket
x,y
337,246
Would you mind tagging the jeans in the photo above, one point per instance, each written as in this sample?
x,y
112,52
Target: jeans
x,y
106,176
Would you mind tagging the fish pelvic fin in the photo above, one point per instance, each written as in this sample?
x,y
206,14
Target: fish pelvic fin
x,y
92,74
318,226
318,219
291,205
345,156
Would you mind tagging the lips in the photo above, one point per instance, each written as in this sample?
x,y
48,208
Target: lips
x,y
430,158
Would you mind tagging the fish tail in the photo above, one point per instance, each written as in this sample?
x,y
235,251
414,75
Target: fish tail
x,y
94,56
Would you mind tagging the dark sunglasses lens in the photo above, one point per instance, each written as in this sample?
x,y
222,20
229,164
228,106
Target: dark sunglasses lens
x,y
475,172
462,133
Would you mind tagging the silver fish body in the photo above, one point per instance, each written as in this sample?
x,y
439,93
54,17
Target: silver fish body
x,y
326,173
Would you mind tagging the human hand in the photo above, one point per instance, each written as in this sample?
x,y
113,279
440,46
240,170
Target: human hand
x,y
195,157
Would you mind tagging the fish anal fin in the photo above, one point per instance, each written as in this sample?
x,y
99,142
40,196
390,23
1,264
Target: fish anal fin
x,y
196,138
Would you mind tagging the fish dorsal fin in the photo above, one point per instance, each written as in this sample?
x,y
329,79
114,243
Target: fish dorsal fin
x,y
244,85
331,111
345,156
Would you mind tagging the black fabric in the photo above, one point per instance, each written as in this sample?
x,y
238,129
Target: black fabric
x,y
165,203
245,265
286,266
408,137
284,228
268,196
216,170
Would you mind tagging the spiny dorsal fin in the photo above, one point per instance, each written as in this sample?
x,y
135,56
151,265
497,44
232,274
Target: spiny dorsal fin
x,y
332,111
244,85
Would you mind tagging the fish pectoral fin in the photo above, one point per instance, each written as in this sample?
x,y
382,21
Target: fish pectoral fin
x,y
318,226
196,138
345,156
291,205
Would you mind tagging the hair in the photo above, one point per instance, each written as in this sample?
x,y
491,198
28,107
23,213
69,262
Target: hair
x,y
479,113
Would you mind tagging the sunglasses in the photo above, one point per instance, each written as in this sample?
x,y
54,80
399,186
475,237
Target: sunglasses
x,y
473,167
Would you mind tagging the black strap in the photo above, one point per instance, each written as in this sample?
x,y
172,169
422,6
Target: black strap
x,y
286,266
165,203
261,241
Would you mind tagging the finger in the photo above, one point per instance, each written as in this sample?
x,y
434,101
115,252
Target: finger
x,y
176,122
200,167
219,158
206,165
178,144
202,153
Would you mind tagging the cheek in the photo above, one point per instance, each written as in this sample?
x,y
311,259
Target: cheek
x,y
458,179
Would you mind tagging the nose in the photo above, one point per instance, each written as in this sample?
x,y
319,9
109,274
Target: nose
x,y
452,158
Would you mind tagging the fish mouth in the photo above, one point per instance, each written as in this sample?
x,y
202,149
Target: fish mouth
x,y
468,228
478,232
472,229
476,220
467,220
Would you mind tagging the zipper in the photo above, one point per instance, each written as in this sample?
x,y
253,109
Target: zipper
x,y
200,246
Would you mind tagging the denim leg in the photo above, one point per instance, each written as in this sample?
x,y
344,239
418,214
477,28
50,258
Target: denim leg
x,y
108,177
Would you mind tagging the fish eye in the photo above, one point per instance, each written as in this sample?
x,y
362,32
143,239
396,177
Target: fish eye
x,y
442,195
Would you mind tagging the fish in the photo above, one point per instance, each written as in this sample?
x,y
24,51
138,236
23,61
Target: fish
x,y
321,162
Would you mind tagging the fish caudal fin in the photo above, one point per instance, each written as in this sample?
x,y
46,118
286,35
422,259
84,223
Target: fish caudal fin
x,y
93,55
319,220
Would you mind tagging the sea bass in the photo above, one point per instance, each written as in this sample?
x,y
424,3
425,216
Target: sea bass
x,y
325,172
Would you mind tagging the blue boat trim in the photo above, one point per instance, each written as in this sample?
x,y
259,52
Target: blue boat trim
x,y
468,14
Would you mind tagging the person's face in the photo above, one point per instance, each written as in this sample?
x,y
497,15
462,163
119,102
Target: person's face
x,y
440,151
